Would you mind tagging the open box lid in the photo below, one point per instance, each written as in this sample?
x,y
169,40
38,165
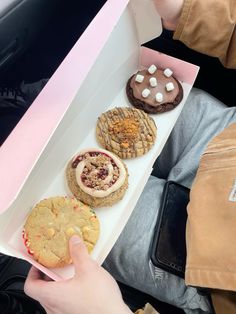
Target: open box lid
x,y
24,146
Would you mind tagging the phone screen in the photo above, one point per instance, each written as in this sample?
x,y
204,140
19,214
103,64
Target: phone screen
x,y
169,245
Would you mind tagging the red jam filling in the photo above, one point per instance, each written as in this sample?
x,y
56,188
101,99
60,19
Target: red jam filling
x,y
79,158
101,174
25,239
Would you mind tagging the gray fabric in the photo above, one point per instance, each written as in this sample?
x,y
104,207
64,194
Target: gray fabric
x,y
202,118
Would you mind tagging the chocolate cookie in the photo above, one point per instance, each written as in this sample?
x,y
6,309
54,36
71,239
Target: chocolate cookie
x,y
154,90
51,224
97,177
127,132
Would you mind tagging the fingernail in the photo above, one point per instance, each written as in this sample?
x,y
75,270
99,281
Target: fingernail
x,y
75,239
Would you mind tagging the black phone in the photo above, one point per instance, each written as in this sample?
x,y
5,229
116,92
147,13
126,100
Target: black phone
x,y
168,248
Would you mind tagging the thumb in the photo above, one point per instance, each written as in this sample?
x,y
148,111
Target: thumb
x,y
79,253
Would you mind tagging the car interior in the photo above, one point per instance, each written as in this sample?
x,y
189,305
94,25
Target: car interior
x,y
35,37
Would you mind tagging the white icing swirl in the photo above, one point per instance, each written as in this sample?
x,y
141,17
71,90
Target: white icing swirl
x,y
79,171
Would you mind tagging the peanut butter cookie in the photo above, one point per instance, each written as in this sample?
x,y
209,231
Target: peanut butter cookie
x,y
51,224
127,132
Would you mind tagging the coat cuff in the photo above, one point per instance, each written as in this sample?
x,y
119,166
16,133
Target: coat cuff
x,y
148,309
183,19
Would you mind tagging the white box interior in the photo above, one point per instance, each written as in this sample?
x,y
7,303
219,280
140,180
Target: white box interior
x,y
103,89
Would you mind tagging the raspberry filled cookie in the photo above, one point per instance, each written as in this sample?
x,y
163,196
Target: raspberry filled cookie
x,y
97,177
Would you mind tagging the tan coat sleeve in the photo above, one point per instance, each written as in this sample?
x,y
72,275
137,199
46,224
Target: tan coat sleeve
x,y
211,232
224,302
208,26
148,309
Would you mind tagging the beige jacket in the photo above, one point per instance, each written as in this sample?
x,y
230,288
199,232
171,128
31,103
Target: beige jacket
x,y
208,26
211,225
147,310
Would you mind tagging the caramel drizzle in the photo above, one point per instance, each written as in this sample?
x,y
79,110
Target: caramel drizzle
x,y
145,124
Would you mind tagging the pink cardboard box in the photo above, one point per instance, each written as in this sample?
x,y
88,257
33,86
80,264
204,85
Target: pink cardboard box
x,y
62,120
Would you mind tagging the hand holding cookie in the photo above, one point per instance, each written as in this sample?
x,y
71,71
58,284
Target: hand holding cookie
x,y
91,290
50,225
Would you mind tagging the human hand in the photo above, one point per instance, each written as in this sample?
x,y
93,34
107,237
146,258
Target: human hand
x,y
170,11
91,290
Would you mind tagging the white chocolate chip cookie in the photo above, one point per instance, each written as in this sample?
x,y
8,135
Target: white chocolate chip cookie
x,y
51,224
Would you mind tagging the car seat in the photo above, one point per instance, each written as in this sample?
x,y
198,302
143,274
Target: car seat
x,y
20,20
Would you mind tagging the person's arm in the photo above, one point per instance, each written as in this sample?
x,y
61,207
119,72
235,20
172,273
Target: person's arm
x,y
91,290
170,12
207,26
